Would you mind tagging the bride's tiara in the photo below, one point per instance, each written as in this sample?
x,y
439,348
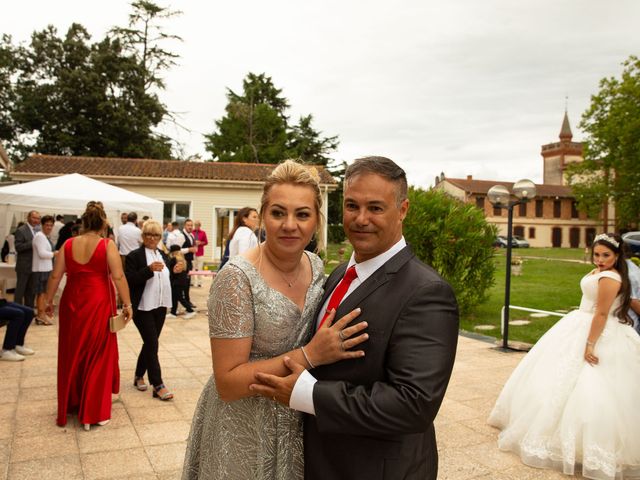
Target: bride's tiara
x,y
608,239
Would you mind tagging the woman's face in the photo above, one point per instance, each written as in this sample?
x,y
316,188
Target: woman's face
x,y
251,220
151,239
290,218
603,257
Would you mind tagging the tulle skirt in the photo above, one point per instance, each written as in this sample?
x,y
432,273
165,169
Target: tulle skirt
x,y
557,411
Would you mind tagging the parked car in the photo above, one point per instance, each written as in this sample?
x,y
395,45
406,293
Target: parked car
x,y
633,240
521,242
501,242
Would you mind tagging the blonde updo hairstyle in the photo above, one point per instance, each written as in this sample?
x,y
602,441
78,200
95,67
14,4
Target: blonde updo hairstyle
x,y
94,219
291,172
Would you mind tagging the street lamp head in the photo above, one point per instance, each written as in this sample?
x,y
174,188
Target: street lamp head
x,y
524,189
498,195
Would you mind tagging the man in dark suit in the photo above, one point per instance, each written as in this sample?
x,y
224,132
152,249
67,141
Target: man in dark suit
x,y
188,248
25,280
372,417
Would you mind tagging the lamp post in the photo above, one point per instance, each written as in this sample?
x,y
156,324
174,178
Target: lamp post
x,y
500,197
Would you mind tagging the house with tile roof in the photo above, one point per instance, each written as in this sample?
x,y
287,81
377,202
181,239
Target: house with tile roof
x,y
211,192
552,218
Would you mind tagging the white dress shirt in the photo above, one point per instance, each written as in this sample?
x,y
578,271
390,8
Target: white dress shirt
x,y
157,291
129,238
55,232
41,261
177,237
242,240
302,394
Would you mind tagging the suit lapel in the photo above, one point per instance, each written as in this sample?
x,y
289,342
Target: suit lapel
x,y
370,285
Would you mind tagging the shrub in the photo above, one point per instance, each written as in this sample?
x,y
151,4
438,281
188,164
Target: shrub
x,y
455,239
335,233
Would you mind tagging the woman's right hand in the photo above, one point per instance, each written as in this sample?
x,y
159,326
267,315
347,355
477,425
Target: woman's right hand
x,y
49,309
333,341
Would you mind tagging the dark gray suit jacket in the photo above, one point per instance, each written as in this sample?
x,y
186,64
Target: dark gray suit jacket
x,y
374,416
24,248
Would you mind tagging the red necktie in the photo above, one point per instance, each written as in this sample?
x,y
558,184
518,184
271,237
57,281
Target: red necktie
x,y
339,292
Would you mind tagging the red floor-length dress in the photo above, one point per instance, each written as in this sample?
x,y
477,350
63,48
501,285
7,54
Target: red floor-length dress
x,y
87,351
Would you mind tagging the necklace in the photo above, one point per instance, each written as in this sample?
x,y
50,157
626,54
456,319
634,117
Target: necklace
x,y
290,283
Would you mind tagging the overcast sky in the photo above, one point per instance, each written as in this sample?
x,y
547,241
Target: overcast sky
x,y
466,87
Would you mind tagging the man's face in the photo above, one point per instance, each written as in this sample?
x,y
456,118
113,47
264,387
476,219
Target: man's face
x,y
34,219
197,225
188,226
371,216
46,228
123,218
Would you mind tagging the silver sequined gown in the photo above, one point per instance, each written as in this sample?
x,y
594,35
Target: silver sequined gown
x,y
252,438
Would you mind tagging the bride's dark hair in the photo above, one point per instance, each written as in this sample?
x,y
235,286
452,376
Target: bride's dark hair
x,y
610,240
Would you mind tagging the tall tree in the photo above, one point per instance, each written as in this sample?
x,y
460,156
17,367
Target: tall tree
x,y
611,168
67,95
145,38
256,128
306,143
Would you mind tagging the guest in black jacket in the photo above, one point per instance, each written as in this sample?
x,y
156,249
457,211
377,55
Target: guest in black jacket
x,y
148,277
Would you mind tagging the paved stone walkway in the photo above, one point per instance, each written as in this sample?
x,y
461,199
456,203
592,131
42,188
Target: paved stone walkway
x,y
146,437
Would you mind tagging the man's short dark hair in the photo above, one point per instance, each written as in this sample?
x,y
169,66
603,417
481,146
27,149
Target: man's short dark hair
x,y
175,224
132,217
59,217
384,167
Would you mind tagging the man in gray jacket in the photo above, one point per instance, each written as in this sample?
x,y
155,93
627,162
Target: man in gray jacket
x,y
25,284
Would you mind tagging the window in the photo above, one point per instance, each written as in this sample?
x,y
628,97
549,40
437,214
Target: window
x,y
590,234
518,231
532,232
557,208
574,210
539,205
497,212
523,210
176,211
480,203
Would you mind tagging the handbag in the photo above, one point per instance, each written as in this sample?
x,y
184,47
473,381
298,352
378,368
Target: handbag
x,y
116,322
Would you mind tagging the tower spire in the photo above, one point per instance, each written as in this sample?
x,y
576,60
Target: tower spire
x,y
565,132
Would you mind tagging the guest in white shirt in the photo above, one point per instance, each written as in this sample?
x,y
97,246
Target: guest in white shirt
x,y
175,236
147,274
41,266
56,229
129,236
242,237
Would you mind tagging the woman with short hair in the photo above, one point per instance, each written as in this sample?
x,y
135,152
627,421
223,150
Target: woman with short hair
x,y
147,273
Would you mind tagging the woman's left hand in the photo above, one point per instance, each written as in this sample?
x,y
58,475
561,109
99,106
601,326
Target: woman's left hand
x,y
589,356
127,312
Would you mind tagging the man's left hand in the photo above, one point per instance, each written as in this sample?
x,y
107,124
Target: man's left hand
x,y
278,388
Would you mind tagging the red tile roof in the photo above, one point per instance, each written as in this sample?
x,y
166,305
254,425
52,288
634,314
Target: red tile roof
x,y
483,186
148,168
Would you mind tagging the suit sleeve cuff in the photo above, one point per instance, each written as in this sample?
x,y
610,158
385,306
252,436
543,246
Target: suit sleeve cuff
x,y
302,394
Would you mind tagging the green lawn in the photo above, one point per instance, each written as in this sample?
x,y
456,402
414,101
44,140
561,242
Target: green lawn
x,y
545,285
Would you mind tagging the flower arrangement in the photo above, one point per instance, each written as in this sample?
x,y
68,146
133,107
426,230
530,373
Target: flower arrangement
x,y
516,261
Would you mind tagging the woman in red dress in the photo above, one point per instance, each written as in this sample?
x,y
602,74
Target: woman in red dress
x,y
87,351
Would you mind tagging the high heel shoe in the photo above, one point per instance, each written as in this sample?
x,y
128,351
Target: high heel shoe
x,y
164,396
138,382
40,321
87,426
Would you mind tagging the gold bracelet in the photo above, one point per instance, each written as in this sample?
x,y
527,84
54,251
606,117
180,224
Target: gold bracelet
x,y
307,358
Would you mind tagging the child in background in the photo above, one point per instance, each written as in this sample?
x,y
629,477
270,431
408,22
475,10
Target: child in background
x,y
179,283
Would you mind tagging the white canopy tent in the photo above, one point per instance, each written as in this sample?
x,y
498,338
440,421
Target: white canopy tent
x,y
70,194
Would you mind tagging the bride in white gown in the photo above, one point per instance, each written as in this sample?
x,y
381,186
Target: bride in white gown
x,y
574,400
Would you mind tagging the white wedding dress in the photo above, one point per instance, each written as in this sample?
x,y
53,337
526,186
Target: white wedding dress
x,y
557,411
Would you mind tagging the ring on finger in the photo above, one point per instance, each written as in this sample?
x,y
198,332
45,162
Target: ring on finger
x,y
341,335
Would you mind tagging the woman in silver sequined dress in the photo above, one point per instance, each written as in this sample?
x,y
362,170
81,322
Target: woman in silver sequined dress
x,y
261,308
